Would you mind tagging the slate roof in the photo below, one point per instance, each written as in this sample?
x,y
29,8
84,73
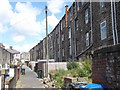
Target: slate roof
x,y
13,51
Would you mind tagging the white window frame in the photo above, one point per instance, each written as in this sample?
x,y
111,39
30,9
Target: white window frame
x,y
86,16
103,32
87,39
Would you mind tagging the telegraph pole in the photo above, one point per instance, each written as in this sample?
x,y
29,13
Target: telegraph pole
x,y
47,53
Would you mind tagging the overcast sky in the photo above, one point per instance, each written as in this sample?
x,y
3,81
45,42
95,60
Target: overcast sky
x,y
22,24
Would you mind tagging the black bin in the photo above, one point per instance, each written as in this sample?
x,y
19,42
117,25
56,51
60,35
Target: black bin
x,y
23,71
39,72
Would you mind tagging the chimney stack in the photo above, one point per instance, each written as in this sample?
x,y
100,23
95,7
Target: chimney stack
x,y
11,47
66,17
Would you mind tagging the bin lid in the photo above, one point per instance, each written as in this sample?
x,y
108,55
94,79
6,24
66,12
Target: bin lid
x,y
93,86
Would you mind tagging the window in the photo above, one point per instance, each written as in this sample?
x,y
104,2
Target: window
x,y
76,25
69,32
78,6
82,1
103,30
62,37
63,52
58,39
63,22
87,39
102,3
86,16
70,15
70,50
61,25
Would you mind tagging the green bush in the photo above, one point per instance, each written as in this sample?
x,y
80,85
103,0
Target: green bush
x,y
58,76
74,70
72,65
86,69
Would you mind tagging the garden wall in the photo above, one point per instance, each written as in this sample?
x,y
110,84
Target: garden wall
x,y
106,66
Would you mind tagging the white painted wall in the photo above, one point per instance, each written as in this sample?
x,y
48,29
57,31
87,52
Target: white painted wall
x,y
11,72
54,66
57,65
1,82
32,63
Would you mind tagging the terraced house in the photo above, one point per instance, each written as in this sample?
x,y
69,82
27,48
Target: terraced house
x,y
85,27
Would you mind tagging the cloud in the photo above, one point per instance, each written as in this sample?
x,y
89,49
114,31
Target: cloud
x,y
5,11
3,28
25,47
55,6
52,21
24,20
19,38
5,15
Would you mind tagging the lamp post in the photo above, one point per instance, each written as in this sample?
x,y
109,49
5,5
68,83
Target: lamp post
x,y
47,53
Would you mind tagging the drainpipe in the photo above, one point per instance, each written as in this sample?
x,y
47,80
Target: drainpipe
x,y
91,22
113,23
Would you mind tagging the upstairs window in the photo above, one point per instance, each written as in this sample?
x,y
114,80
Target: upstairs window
x,y
63,53
61,25
76,24
62,37
69,32
82,1
70,50
86,16
87,39
102,3
78,6
103,30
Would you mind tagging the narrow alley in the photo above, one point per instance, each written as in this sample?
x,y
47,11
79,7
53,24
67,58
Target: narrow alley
x,y
29,80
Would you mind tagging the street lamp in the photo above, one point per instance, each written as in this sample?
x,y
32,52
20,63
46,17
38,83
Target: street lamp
x,y
47,53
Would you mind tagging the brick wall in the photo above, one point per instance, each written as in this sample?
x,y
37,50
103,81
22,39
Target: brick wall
x,y
106,66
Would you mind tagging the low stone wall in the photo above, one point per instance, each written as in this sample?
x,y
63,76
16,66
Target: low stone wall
x,y
106,66
11,82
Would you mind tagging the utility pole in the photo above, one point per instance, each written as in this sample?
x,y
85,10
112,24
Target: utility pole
x,y
47,53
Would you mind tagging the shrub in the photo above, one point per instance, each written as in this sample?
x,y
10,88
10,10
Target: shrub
x,y
58,76
72,65
86,69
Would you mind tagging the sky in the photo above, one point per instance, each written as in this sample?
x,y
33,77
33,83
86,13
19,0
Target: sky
x,y
22,22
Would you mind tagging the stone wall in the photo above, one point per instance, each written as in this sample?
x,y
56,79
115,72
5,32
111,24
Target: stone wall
x,y
106,66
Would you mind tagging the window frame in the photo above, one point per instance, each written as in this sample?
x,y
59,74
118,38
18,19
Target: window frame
x,y
87,42
86,16
101,30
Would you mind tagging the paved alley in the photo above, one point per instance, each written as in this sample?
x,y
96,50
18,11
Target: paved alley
x,y
29,80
